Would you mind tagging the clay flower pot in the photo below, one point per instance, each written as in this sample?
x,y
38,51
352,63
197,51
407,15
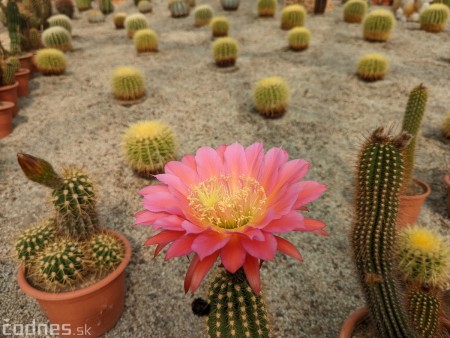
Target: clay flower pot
x,y
9,93
409,206
6,118
447,181
25,61
93,310
23,77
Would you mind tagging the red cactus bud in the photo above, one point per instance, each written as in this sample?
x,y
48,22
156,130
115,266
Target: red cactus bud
x,y
39,170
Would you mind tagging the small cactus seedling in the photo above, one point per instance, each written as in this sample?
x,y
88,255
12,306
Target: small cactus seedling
x,y
266,8
298,38
34,240
219,26
225,51
230,5
145,40
119,20
106,6
57,37
8,73
60,20
378,25
95,16
271,96
83,5
128,84
148,146
107,252
203,15
235,310
50,61
293,16
372,67
179,8
145,6
445,128
135,22
65,7
434,19
354,11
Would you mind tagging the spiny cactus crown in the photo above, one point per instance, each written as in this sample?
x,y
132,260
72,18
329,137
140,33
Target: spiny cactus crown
x,y
60,20
266,8
119,19
225,51
57,37
293,16
135,22
298,38
179,8
128,83
355,10
50,61
434,18
145,40
220,26
271,96
35,239
203,15
106,6
145,6
378,25
372,67
107,251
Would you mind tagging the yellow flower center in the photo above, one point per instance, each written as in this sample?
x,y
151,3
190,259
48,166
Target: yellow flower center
x,y
228,201
423,240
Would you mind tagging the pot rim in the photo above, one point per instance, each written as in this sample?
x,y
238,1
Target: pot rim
x,y
5,88
352,321
426,191
5,105
22,71
447,180
50,296
26,55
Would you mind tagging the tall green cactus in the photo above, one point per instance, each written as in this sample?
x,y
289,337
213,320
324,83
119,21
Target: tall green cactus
x,y
13,17
425,307
412,121
379,176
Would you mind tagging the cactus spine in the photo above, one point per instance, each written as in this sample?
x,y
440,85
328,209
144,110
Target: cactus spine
x,y
266,8
372,67
378,25
225,51
203,15
107,251
8,73
293,16
425,309
379,176
235,309
354,11
434,18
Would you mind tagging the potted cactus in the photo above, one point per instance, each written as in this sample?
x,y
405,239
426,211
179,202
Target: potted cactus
x,y
8,84
6,118
73,266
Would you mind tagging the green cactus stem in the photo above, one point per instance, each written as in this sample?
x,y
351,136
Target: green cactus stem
x,y
145,40
50,61
354,11
445,127
107,252
60,20
372,67
219,26
8,71
135,22
145,6
119,20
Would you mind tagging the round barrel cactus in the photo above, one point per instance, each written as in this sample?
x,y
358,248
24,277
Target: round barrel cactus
x,y
372,67
203,15
271,96
219,26
135,22
107,252
434,19
119,20
225,51
57,37
128,84
298,38
293,16
354,11
266,8
145,40
60,20
179,8
378,25
145,6
230,5
51,61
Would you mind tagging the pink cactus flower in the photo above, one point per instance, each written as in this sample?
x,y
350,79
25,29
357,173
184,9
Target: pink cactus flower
x,y
229,202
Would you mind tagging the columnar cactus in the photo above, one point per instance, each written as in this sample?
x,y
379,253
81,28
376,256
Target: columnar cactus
x,y
230,5
219,26
107,251
235,309
50,61
57,37
135,22
179,8
8,73
203,15
425,308
266,8
95,16
60,20
145,40
379,176
412,121
128,84
434,18
293,16
105,6
148,146
35,239
298,38
271,96
445,127
378,25
83,5
65,7
119,20
34,36
13,15
372,67
145,6
225,51
354,11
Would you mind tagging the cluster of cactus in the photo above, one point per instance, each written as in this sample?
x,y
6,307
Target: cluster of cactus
x,y
119,20
145,40
219,26
225,51
354,11
135,22
105,6
230,5
60,20
434,18
378,25
203,15
293,16
266,8
128,84
57,37
95,16
372,67
179,8
445,127
65,7
271,96
298,38
83,5
50,61
148,146
145,6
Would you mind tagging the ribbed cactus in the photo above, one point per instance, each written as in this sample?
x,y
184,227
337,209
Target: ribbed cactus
x,y
57,37
135,22
271,96
235,309
354,11
203,15
298,38
179,8
13,19
60,20
412,121
266,8
95,16
445,127
128,84
45,10
434,18
34,240
372,67
225,51
145,40
148,146
105,6
425,309
378,182
83,5
107,251
50,61
15,63
378,25
230,5
293,16
145,6
119,20
34,36
8,73
219,26
65,7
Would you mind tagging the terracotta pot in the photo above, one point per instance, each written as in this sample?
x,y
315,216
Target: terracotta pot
x,y
409,206
9,93
447,181
6,118
25,61
93,310
23,77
